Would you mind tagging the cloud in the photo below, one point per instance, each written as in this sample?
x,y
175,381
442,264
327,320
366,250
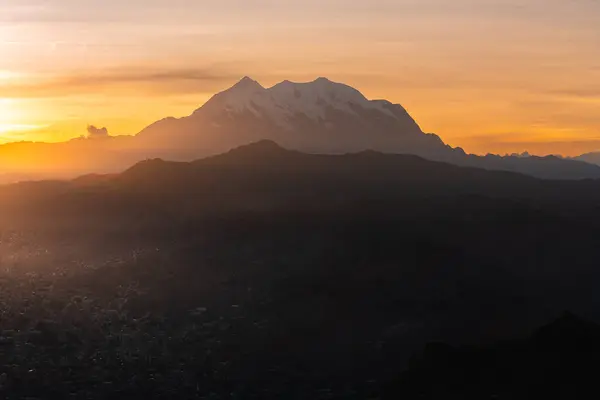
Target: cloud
x,y
96,133
585,92
121,81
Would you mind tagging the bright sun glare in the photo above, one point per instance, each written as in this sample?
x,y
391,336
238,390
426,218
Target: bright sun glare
x,y
5,104
6,75
13,118
9,124
4,112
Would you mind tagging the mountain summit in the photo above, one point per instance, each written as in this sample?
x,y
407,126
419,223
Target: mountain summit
x,y
315,101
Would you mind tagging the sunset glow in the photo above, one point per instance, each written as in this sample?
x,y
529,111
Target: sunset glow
x,y
489,76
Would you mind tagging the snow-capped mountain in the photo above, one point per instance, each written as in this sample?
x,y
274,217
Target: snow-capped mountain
x,y
322,117
319,116
287,100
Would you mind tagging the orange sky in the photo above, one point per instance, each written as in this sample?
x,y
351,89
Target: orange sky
x,y
486,75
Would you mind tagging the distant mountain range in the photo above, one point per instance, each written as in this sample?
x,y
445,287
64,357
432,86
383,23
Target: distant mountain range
x,y
321,117
592,158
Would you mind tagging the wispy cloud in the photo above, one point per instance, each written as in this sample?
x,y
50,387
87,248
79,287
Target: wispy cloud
x,y
120,81
588,90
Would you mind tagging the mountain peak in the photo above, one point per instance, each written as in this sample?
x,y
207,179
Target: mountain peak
x,y
248,83
264,146
288,100
257,152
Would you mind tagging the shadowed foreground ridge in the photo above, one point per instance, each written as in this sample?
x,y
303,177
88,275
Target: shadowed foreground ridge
x,y
558,361
270,273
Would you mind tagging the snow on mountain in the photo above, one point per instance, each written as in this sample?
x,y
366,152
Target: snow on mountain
x,y
287,100
317,117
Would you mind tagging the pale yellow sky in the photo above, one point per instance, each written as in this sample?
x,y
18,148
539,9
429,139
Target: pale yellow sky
x,y
486,75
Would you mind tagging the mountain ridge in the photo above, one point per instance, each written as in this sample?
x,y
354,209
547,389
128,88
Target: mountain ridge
x,y
319,117
345,122
267,166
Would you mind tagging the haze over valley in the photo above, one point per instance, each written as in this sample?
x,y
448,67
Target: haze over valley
x,y
401,200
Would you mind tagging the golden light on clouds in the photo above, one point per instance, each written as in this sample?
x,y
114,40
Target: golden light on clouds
x,y
486,75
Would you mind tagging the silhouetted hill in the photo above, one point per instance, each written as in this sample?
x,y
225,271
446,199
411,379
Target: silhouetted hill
x,y
558,361
264,168
264,176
